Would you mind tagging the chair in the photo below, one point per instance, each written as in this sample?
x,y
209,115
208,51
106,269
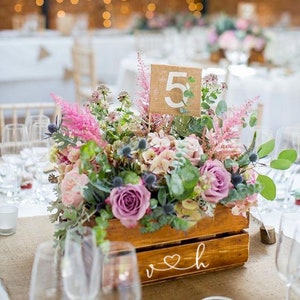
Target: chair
x,y
29,23
17,112
85,74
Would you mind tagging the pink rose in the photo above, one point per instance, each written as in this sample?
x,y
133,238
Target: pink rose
x,y
219,178
241,207
129,203
72,188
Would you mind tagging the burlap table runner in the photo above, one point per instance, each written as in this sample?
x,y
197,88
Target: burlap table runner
x,y
257,279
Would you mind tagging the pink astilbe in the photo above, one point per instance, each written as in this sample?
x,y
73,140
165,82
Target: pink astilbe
x,y
79,121
158,121
144,82
219,137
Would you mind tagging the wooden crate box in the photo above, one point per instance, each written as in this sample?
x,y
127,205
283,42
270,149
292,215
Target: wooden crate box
x,y
214,243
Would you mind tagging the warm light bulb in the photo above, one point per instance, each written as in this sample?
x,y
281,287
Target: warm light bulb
x,y
18,8
151,6
106,15
107,23
39,2
61,13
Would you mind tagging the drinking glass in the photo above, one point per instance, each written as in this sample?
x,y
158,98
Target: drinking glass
x,y
40,146
45,276
284,179
293,269
120,275
14,144
30,120
287,226
81,266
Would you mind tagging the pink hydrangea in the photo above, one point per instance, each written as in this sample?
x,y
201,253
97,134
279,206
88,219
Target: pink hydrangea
x,y
72,187
129,203
229,41
242,24
219,178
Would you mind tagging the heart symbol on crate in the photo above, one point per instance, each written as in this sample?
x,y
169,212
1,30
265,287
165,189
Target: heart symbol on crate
x,y
172,260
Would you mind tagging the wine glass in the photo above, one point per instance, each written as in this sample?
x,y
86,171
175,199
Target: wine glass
x,y
81,265
120,275
293,269
14,145
287,225
45,276
30,120
40,145
284,179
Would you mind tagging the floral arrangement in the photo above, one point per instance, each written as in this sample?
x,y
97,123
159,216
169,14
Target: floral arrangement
x,y
236,34
154,170
164,20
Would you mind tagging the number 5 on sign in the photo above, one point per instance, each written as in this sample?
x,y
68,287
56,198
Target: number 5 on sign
x,y
167,90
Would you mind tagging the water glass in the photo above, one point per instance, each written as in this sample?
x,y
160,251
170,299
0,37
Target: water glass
x,y
286,232
120,274
8,219
81,265
45,281
14,143
293,269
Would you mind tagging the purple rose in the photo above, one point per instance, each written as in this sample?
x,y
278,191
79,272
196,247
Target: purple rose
x,y
219,181
129,203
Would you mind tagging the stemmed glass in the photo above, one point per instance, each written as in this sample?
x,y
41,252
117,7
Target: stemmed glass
x,y
287,225
45,276
120,275
30,120
81,265
14,143
40,146
284,179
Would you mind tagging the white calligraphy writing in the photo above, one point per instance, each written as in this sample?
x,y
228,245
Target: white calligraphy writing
x,y
172,261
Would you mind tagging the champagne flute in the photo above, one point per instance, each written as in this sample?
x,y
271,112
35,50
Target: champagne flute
x,y
81,266
120,275
287,225
45,276
14,143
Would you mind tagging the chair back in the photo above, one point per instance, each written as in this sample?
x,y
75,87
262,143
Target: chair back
x,y
18,112
84,71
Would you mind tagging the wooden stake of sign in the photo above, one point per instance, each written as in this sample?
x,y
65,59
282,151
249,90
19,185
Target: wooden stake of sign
x,y
167,87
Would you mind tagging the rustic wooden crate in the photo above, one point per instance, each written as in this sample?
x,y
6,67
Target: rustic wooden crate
x,y
214,243
254,57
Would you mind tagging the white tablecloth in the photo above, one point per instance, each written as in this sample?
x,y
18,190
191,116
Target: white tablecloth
x,y
32,67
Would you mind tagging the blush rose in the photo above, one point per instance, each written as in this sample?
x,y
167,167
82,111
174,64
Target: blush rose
x,y
129,203
72,187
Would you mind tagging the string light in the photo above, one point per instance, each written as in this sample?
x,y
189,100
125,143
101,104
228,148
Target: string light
x,y
18,7
39,2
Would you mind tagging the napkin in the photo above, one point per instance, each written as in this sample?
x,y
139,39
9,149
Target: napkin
x,y
3,292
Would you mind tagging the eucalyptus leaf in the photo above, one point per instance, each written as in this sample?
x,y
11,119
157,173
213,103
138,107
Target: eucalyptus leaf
x,y
289,154
266,148
268,187
221,108
280,164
